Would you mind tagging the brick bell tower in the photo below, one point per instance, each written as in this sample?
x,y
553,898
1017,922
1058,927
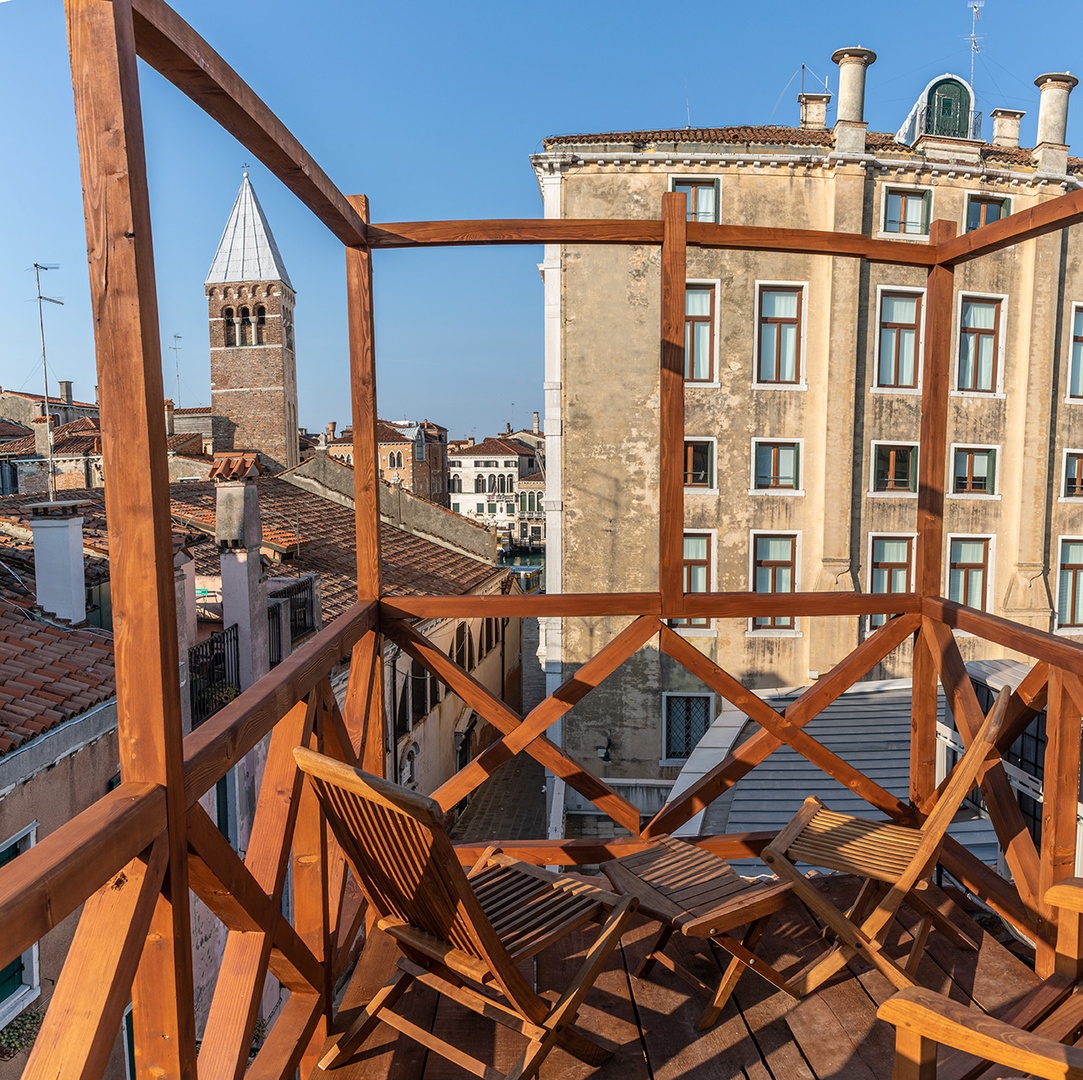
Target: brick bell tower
x,y
253,366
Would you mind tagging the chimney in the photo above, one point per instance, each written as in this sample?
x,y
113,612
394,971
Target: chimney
x,y
65,391
1006,127
169,426
331,425
1051,149
536,424
57,528
850,123
814,111
43,435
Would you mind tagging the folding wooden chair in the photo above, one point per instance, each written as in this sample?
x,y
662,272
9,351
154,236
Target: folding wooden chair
x,y
462,935
699,895
896,862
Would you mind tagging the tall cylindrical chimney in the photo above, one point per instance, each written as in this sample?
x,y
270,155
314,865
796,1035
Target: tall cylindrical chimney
x,y
1006,127
852,63
1053,109
536,423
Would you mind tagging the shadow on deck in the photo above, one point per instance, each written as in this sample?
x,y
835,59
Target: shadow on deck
x,y
650,1024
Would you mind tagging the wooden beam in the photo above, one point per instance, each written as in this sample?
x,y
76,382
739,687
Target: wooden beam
x,y
1029,224
598,668
923,715
120,257
744,758
671,408
218,745
81,1025
1004,813
45,884
507,720
999,893
166,42
1060,810
781,727
590,852
1056,651
291,1033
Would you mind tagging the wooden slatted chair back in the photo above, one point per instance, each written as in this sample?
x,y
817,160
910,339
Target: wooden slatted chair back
x,y
396,843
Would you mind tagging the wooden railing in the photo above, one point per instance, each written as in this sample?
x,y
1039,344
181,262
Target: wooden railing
x,y
131,859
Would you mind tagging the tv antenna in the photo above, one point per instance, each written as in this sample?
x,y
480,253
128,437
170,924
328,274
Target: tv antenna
x,y
975,38
38,267
176,361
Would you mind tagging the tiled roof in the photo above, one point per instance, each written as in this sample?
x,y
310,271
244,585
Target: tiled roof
x,y
9,429
196,410
95,537
493,446
247,250
48,675
191,440
535,479
52,400
385,433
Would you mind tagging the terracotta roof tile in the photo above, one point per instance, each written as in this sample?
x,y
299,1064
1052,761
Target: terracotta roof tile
x,y
195,410
494,446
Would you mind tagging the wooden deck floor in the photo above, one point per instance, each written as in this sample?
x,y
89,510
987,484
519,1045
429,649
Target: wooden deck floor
x,y
649,1024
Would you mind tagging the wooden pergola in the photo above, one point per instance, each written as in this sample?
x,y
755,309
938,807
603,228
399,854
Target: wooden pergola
x,y
132,858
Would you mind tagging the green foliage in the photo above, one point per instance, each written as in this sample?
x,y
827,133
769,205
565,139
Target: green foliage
x,y
20,1034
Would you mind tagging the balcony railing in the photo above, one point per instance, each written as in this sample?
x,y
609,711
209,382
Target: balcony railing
x,y
302,598
214,674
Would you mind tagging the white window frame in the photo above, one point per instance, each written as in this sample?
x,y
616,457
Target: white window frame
x,y
998,390
913,537
993,495
712,581
1073,309
666,694
715,284
680,178
1063,631
751,630
712,484
802,340
1063,496
991,537
989,196
914,238
913,391
872,492
30,990
800,490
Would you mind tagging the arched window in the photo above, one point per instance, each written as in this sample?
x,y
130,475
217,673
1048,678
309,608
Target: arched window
x,y
948,109
244,337
500,486
511,482
479,484
533,505
231,326
261,324
492,482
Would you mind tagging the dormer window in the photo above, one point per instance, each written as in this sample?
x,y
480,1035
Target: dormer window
x,y
948,110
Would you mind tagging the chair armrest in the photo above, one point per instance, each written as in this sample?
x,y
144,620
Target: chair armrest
x,y
944,1021
1067,894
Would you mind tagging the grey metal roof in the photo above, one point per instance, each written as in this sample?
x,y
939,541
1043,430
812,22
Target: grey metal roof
x,y
247,250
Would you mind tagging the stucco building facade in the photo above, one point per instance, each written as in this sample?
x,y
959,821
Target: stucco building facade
x,y
803,393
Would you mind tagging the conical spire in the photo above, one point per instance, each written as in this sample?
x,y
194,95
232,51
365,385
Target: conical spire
x,y
247,250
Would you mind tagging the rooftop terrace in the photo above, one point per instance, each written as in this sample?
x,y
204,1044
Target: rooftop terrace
x,y
132,858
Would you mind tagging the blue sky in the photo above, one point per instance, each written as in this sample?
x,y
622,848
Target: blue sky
x,y
432,110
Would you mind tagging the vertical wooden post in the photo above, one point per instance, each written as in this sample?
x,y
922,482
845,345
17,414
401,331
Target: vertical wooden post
x,y
365,696
1060,793
671,435
935,383
121,261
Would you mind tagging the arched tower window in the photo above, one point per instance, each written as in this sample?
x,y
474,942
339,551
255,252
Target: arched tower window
x,y
261,324
948,110
230,326
244,336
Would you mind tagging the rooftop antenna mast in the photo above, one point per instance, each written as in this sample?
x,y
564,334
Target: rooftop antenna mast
x,y
176,361
38,267
975,38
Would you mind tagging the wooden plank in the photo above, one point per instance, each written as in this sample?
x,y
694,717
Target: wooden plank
x,y
742,760
402,234
507,720
1005,815
292,1030
176,51
1056,651
1060,806
79,1030
935,385
1046,217
598,668
671,406
724,605
120,259
923,715
364,708
45,884
781,727
999,893
218,745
